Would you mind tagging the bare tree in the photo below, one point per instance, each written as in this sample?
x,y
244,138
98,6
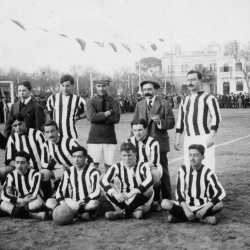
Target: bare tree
x,y
242,57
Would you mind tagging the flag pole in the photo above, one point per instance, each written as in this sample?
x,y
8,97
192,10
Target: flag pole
x,y
77,86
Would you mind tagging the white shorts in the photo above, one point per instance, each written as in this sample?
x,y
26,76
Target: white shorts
x,y
58,171
107,150
75,206
209,160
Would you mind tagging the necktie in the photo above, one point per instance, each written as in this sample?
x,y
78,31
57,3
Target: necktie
x,y
22,104
150,104
103,105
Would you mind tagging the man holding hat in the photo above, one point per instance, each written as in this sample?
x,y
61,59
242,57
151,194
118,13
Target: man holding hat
x,y
103,111
160,118
64,108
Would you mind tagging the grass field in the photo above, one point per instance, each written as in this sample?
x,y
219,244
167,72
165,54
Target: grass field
x,y
231,232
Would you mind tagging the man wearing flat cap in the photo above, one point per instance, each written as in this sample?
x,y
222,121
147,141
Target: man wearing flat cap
x,y
103,112
160,118
66,108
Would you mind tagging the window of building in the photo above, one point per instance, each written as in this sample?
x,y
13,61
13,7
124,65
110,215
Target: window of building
x,y
215,67
239,86
226,67
211,67
226,88
182,68
169,67
238,66
198,65
186,68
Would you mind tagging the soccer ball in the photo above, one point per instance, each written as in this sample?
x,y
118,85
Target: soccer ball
x,y
63,215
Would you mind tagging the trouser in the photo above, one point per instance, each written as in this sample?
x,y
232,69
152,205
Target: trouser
x,y
209,159
165,179
177,211
137,202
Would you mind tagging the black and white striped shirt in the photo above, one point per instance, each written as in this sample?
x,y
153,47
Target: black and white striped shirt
x,y
196,113
22,185
147,150
58,153
30,142
65,109
139,177
84,184
198,187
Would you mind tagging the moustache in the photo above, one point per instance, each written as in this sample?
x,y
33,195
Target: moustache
x,y
147,94
191,85
52,137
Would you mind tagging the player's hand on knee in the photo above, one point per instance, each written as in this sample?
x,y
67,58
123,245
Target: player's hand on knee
x,y
177,146
190,215
119,197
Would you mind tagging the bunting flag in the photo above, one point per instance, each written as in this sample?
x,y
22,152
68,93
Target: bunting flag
x,y
126,47
43,29
18,24
82,44
143,48
161,40
100,44
63,35
113,46
153,46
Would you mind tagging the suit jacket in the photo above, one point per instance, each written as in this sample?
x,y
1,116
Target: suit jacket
x,y
162,108
34,116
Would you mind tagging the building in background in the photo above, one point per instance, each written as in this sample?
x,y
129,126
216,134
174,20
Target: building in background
x,y
224,76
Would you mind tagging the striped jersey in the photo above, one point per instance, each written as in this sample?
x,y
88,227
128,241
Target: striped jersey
x,y
65,109
21,185
198,187
148,150
139,177
30,142
84,184
197,113
58,153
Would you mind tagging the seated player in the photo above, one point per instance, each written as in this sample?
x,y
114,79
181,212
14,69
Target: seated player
x,y
198,192
148,150
56,157
136,186
20,195
28,140
85,190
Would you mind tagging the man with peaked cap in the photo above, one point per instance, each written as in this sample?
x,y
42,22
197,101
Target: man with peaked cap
x,y
160,118
103,112
66,108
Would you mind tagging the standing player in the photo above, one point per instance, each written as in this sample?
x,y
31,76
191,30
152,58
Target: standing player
x,y
20,195
160,118
85,190
103,111
24,139
136,192
32,111
198,192
64,108
194,113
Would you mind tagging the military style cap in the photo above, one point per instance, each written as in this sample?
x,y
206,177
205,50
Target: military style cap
x,y
156,84
101,79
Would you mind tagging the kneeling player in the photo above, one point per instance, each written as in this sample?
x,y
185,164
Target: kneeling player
x,y
20,195
198,192
83,178
136,186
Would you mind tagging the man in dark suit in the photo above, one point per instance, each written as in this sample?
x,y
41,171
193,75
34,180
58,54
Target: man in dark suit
x,y
160,118
32,111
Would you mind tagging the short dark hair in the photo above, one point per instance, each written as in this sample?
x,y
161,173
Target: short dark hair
x,y
198,147
50,123
127,146
23,154
77,149
26,84
17,117
66,78
195,72
139,121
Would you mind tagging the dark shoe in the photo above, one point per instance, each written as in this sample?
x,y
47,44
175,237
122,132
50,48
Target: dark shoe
x,y
155,206
114,215
211,220
84,216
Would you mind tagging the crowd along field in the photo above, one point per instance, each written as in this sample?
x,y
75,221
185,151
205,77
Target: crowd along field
x,y
231,232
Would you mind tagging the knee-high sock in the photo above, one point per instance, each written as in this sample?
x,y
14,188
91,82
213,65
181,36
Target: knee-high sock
x,y
46,189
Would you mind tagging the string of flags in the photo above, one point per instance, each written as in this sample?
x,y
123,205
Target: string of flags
x,y
83,44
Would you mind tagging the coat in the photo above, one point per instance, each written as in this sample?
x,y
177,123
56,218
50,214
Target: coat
x,y
34,116
162,108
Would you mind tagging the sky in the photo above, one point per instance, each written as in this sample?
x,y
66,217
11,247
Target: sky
x,y
191,23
